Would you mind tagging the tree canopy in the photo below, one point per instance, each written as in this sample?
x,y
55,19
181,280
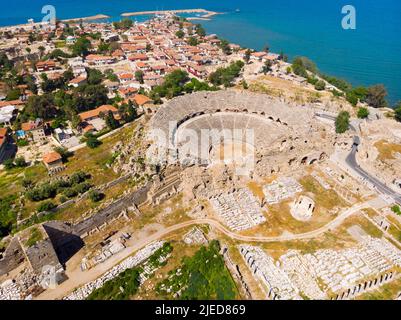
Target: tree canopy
x,y
342,122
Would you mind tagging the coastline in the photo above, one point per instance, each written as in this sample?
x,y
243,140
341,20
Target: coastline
x,y
206,13
89,18
39,23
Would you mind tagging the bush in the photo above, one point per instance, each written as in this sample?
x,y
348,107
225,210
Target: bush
x,y
22,143
363,113
93,142
42,192
78,177
20,162
226,76
397,112
342,122
352,98
320,85
396,209
95,196
46,206
8,164
82,187
376,96
27,183
70,192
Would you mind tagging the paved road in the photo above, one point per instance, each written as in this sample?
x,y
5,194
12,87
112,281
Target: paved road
x,y
78,278
378,185
353,164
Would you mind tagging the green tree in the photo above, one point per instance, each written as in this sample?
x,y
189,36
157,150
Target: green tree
x,y
180,34
306,63
397,112
95,196
8,164
81,47
46,206
95,76
139,76
42,50
13,94
376,96
247,55
342,122
225,46
111,122
200,31
40,107
267,67
93,142
103,47
363,113
124,24
192,41
20,162
396,209
226,76
320,85
352,98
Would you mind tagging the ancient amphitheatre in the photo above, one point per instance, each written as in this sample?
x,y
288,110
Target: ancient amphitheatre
x,y
285,136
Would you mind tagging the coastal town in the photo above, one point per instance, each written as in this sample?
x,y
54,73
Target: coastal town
x,y
100,198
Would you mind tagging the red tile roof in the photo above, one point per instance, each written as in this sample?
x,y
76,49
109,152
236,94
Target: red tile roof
x,y
51,157
96,112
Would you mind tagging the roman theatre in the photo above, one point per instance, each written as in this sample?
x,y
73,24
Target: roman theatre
x,y
283,136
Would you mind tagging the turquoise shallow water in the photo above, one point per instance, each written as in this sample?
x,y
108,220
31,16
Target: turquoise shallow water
x,y
370,54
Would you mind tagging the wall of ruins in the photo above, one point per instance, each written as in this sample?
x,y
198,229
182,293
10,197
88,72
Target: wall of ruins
x,y
365,286
12,258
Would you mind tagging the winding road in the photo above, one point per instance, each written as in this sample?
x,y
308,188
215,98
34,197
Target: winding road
x,y
353,164
78,278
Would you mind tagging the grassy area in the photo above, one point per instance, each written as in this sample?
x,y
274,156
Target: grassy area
x,y
34,237
120,288
203,276
59,44
11,180
126,284
79,208
283,88
279,218
387,150
147,290
95,162
388,291
325,199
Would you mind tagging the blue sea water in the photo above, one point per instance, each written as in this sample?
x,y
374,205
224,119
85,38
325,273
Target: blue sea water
x,y
368,55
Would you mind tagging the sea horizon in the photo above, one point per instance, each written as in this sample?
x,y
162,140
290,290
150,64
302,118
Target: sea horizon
x,y
369,55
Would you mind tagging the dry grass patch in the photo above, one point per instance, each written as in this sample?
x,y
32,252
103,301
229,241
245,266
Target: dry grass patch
x,y
387,150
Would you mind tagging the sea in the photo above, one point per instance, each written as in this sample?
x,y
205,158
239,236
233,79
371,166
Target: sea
x,y
366,55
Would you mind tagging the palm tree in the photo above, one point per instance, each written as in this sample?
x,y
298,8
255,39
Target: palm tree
x,y
41,51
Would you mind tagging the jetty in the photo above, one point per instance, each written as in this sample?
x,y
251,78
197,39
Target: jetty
x,y
90,18
206,13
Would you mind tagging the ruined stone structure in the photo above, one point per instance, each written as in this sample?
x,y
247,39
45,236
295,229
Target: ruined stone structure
x,y
302,208
284,137
12,257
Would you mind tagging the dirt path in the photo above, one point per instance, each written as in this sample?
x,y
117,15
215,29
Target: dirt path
x,y
78,278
